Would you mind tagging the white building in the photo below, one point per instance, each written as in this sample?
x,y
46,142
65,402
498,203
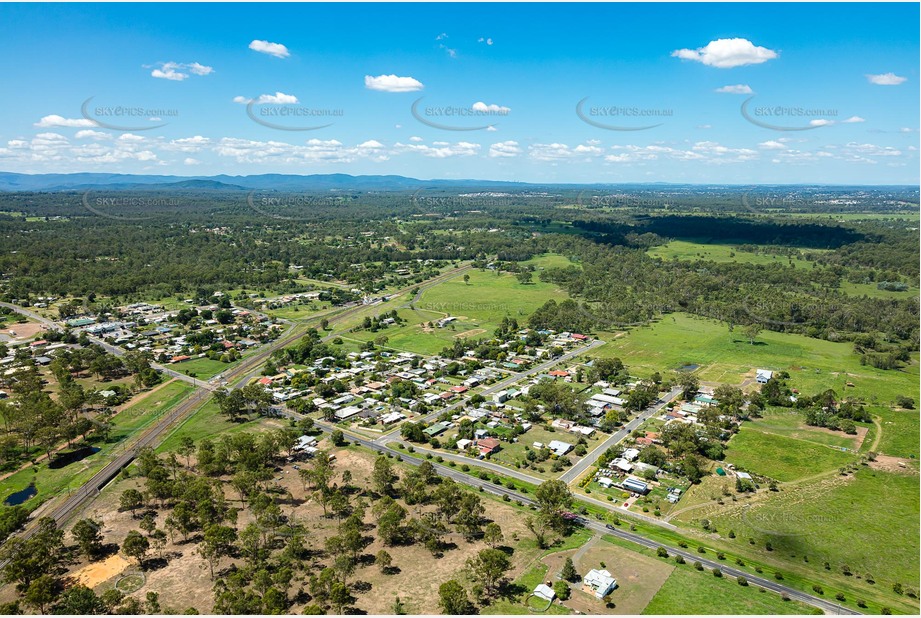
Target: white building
x,y
598,582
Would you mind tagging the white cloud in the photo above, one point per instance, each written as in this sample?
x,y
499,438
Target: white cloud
x,y
727,53
191,161
273,49
392,83
188,144
90,134
440,150
479,106
59,121
557,151
441,36
771,145
179,71
488,41
279,98
821,122
886,79
736,89
415,139
504,149
853,119
371,144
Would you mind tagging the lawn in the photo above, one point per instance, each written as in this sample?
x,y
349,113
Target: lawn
x,y
512,452
550,260
900,432
688,591
689,251
814,364
782,458
202,368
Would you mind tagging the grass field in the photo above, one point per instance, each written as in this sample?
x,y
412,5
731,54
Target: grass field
x,y
688,591
479,306
206,422
782,458
838,520
789,423
814,364
870,289
690,251
900,432
202,368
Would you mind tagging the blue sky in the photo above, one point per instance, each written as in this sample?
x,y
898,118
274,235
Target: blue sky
x,y
832,91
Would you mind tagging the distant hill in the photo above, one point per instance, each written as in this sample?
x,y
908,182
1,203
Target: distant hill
x,y
266,182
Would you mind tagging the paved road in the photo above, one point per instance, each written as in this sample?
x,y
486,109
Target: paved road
x,y
598,527
499,386
576,471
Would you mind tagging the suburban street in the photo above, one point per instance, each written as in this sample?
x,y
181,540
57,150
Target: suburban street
x,y
576,471
500,386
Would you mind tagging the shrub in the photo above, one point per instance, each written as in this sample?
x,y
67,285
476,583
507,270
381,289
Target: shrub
x,y
717,572
741,581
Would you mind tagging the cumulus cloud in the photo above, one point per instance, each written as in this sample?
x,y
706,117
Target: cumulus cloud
x,y
479,106
440,150
727,53
853,119
90,134
886,79
273,49
54,120
415,139
191,161
392,83
771,145
736,89
179,71
504,149
488,41
279,98
821,122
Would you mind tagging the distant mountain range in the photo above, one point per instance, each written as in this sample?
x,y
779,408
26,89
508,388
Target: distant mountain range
x,y
265,182
12,182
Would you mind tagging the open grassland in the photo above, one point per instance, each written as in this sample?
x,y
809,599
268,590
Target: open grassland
x,y
870,289
867,521
690,251
688,591
814,365
206,422
479,306
782,458
788,422
550,260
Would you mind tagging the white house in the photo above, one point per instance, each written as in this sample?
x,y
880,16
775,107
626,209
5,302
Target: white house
x,y
763,375
598,582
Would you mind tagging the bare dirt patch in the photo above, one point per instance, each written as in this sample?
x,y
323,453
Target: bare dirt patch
x,y
470,333
22,332
887,463
94,574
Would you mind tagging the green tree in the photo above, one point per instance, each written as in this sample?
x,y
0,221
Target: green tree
x,y
89,540
569,572
453,600
136,546
488,568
